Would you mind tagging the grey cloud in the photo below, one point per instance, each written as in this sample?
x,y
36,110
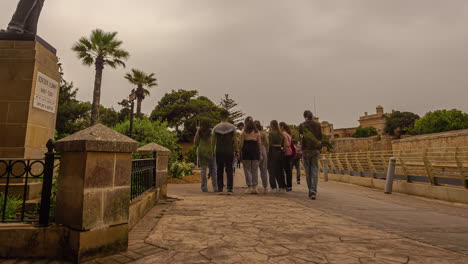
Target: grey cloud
x,y
273,57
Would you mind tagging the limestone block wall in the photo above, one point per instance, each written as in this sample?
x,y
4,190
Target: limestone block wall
x,y
457,138
375,143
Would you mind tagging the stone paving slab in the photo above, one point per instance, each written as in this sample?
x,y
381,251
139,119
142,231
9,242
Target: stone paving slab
x,y
209,228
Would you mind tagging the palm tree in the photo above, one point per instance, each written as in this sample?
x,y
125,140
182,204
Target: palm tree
x,y
101,49
141,79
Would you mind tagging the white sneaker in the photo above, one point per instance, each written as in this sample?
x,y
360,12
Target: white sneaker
x,y
249,190
274,190
254,190
282,190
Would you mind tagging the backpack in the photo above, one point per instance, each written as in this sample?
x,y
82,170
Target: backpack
x,y
309,141
293,149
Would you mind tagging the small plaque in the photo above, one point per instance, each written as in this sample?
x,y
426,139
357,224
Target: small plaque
x,y
45,95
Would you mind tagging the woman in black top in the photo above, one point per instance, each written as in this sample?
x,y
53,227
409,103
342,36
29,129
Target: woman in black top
x,y
276,157
250,146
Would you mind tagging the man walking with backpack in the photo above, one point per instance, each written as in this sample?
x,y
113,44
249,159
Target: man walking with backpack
x,y
311,136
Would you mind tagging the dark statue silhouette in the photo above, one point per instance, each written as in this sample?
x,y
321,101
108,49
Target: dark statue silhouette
x,y
26,17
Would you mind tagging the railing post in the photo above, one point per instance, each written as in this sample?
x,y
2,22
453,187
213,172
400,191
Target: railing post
x,y
44,210
390,175
325,169
155,157
428,167
463,178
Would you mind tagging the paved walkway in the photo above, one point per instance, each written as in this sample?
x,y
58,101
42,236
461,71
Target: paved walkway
x,y
347,224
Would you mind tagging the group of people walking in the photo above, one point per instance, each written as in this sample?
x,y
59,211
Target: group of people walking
x,y
272,154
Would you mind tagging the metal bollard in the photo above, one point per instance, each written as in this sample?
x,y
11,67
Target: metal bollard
x,y
390,175
325,169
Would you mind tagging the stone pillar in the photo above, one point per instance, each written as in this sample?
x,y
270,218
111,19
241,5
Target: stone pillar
x,y
94,191
162,159
29,87
162,172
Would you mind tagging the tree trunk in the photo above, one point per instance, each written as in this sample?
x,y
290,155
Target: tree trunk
x,y
140,95
97,90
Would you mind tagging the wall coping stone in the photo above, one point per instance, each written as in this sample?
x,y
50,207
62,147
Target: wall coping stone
x,y
153,147
454,133
97,138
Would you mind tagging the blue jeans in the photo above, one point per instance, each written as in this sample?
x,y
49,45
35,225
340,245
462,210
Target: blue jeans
x,y
211,165
311,168
297,164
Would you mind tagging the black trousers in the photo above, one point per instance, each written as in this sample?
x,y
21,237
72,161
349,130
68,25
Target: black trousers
x,y
275,167
224,162
26,16
288,170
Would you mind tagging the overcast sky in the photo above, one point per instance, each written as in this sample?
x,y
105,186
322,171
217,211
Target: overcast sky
x,y
274,56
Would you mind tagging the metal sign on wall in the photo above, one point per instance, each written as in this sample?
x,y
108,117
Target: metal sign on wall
x,y
45,95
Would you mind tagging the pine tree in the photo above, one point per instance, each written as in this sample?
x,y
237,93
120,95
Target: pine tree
x,y
229,104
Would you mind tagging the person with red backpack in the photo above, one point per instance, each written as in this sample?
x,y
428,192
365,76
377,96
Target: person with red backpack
x,y
289,153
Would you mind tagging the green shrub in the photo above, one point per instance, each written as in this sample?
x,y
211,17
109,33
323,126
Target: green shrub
x,y
146,131
180,169
365,132
440,121
12,205
191,155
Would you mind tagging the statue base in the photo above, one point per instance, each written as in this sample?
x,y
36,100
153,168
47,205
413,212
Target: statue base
x,y
29,88
5,35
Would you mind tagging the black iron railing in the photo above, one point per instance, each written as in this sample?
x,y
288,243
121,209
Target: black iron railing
x,y
19,179
143,177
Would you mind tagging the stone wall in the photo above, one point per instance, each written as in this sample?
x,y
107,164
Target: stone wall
x,y
141,206
457,138
362,144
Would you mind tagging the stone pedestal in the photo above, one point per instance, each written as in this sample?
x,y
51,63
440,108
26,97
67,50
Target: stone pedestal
x,y
94,191
27,65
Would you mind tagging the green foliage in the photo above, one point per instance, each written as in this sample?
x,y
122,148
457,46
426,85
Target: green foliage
x,y
327,143
101,47
126,110
141,80
229,104
191,155
362,132
440,121
183,109
13,203
180,169
146,131
399,123
72,115
108,116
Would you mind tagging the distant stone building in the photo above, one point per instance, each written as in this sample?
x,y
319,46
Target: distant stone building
x,y
376,120
344,132
327,129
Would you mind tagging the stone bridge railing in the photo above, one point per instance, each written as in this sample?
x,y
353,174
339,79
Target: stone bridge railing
x,y
435,166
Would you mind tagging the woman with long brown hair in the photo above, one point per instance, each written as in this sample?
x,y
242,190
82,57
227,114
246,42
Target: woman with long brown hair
x,y
276,157
250,144
288,155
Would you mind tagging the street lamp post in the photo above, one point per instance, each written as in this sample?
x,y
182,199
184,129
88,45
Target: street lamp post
x,y
132,98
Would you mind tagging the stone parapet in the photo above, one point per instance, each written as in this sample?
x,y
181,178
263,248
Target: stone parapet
x,y
93,197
